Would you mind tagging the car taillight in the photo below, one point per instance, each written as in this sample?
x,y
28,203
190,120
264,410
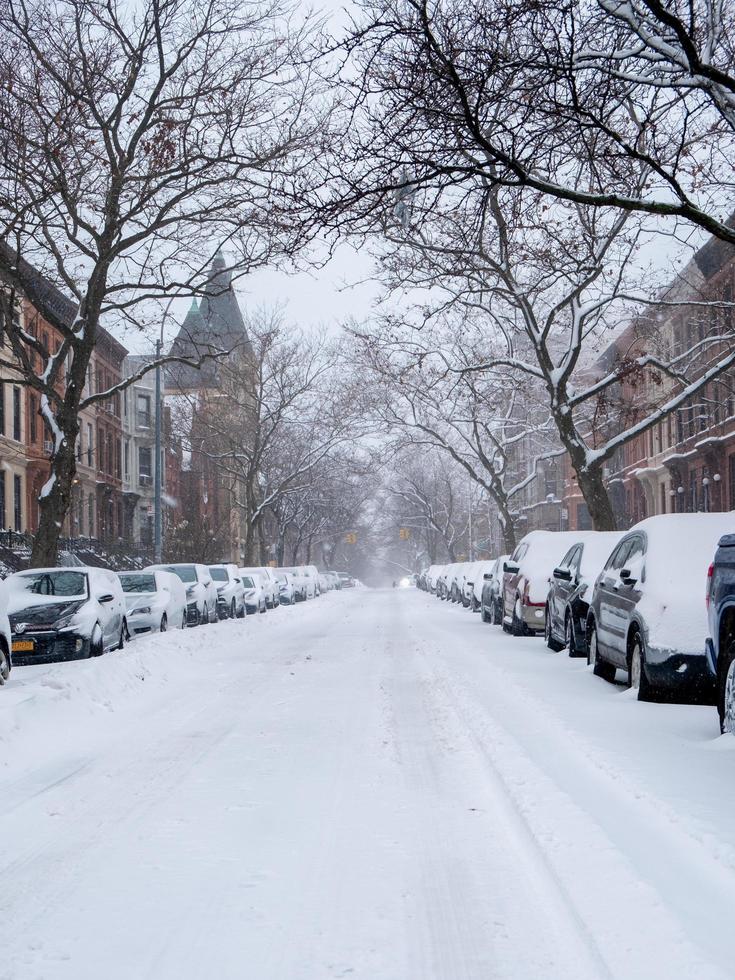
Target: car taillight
x,y
526,589
710,572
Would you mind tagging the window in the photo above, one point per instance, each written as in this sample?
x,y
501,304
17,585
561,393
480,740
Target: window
x,y
90,515
2,498
2,408
16,413
118,464
145,467
17,503
126,460
100,450
110,454
125,402
34,417
143,407
80,513
693,501
90,445
663,495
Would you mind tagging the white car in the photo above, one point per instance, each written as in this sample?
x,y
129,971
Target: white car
x,y
272,592
286,587
66,613
313,588
255,590
6,639
201,592
155,600
230,591
300,582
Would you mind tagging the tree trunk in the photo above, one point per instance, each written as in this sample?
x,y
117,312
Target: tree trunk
x,y
507,527
594,491
55,504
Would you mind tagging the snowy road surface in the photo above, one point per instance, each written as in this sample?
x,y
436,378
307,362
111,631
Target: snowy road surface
x,y
371,785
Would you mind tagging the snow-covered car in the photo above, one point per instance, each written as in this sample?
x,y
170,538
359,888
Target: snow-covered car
x,y
473,572
272,590
647,614
570,590
526,579
286,588
255,589
299,582
311,575
491,599
6,638
201,592
336,581
230,590
346,580
155,601
65,614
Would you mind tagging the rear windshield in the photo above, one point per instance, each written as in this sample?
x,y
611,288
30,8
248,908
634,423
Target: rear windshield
x,y
248,582
219,574
187,573
70,585
138,583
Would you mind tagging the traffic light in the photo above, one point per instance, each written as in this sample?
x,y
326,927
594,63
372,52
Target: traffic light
x,y
404,533
351,538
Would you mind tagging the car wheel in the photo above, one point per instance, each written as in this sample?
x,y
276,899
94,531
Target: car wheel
x,y
123,631
164,624
233,609
484,615
517,627
599,667
4,664
637,679
570,642
96,642
551,643
726,689
183,622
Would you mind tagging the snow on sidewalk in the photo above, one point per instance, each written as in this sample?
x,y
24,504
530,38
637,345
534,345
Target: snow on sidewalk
x,y
373,785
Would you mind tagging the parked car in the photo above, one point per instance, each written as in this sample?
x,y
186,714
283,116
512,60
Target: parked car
x,y
66,613
312,581
491,597
270,582
346,580
155,601
201,592
230,590
526,579
286,588
299,582
570,590
6,636
477,582
720,645
337,581
646,616
254,585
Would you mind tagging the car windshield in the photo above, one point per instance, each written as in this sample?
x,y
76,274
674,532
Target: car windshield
x,y
138,583
187,573
70,585
219,574
248,582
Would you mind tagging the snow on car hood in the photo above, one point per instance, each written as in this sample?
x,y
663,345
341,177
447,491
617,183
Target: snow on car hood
x,y
679,551
133,600
44,613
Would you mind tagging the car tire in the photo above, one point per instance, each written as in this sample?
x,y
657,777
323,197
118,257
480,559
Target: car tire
x,y
4,664
184,622
123,631
569,642
551,643
164,624
233,609
96,642
483,615
726,689
517,626
600,668
637,679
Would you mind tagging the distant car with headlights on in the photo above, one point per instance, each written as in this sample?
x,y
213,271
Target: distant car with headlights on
x,y
65,614
155,601
230,590
254,586
201,592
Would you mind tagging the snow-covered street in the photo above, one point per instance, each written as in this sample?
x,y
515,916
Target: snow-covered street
x,y
372,784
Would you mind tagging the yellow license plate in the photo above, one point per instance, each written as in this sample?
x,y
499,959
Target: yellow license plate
x,y
22,646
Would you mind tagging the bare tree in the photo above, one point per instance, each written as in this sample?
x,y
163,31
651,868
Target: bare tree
x,y
622,104
136,141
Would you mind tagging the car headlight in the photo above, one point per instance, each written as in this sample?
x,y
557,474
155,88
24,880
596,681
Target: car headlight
x,y
142,610
65,622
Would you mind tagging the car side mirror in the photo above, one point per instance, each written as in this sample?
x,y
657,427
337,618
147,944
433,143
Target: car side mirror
x,y
563,573
626,578
488,576
511,568
106,597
